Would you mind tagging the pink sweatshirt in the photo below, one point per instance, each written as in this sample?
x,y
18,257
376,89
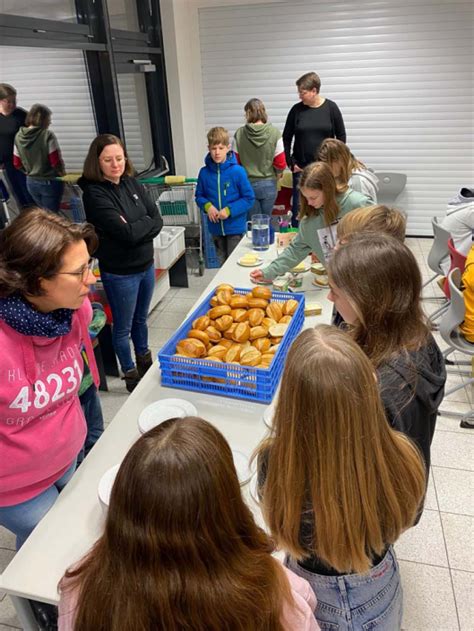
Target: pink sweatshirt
x,y
42,427
299,618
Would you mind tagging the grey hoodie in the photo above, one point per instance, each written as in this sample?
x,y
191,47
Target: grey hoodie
x,y
256,147
37,153
459,222
365,182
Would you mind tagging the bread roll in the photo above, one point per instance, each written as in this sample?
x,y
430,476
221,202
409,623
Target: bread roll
x,y
230,331
286,319
255,316
224,296
213,333
273,349
199,335
268,322
224,342
257,303
202,323
190,347
273,311
267,358
233,353
289,307
262,344
217,351
217,312
213,301
224,287
275,340
239,315
241,332
223,323
239,302
278,330
258,331
250,356
262,292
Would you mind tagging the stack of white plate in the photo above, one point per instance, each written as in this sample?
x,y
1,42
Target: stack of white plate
x,y
160,411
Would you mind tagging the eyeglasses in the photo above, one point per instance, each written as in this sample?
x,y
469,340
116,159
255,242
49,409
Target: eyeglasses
x,y
84,272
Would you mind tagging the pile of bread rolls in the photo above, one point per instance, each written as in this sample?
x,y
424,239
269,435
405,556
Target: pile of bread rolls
x,y
239,329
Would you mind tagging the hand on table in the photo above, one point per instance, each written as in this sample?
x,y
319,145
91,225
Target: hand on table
x,y
257,275
213,214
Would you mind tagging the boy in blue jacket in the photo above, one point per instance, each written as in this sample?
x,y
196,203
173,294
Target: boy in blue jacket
x,y
224,193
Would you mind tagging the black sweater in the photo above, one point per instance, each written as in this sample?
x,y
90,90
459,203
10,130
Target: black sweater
x,y
9,125
126,220
310,126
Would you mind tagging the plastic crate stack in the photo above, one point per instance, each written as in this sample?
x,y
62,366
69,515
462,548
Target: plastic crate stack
x,y
210,255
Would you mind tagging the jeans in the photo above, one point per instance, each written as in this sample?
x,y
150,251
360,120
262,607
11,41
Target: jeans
x,y
129,297
90,403
17,181
265,196
295,204
21,519
46,193
358,602
226,245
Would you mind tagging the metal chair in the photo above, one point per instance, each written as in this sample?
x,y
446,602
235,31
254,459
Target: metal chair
x,y
390,186
450,332
457,260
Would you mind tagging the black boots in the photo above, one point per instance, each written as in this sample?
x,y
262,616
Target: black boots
x,y
144,362
131,379
133,376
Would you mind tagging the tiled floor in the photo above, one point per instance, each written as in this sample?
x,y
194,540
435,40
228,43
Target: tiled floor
x,y
436,557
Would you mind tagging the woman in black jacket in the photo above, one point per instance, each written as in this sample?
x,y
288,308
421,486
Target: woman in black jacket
x,y
126,220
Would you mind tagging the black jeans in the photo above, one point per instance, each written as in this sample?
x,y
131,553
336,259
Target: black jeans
x,y
226,245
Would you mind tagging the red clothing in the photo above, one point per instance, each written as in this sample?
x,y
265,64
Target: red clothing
x,y
42,427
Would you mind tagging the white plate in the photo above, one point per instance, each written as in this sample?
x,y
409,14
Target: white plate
x,y
105,485
187,406
157,413
259,262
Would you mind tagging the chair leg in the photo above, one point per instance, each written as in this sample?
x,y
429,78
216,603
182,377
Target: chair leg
x,y
430,281
438,313
469,382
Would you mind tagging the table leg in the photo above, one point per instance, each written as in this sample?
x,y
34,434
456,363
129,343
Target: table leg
x,y
178,272
25,613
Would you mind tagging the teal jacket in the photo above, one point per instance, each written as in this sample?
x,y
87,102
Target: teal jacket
x,y
314,236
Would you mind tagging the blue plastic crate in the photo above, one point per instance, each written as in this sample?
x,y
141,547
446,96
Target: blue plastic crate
x,y
211,259
232,380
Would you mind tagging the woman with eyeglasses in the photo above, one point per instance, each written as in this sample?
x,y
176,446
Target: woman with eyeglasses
x,y
45,276
126,220
308,123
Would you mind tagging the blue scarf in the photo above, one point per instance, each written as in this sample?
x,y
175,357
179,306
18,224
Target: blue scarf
x,y
18,313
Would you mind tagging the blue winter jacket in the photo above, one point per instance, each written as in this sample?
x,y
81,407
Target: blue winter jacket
x,y
222,185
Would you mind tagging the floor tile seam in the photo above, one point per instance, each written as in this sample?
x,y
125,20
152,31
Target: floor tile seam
x,y
441,567
439,466
448,559
448,512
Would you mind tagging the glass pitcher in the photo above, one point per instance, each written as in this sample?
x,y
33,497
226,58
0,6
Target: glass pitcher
x,y
260,232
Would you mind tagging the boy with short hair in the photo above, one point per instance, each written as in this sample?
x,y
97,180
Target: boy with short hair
x,y
224,193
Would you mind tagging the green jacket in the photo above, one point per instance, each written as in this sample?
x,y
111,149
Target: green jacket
x,y
314,236
259,149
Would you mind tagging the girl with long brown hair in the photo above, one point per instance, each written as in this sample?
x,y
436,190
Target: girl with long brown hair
x,y
347,169
375,285
181,550
338,486
321,207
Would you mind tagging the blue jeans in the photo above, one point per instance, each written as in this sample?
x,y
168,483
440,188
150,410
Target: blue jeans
x,y
265,196
295,202
358,602
17,181
129,297
90,403
21,519
46,193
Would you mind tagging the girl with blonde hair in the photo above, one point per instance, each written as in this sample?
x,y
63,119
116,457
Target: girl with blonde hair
x,y
374,219
181,550
338,486
321,207
348,170
375,284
